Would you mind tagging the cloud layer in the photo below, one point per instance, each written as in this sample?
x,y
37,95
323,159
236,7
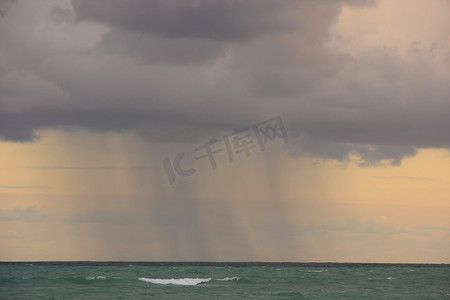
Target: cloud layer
x,y
180,71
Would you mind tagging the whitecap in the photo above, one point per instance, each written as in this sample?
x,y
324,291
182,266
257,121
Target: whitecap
x,y
229,278
95,277
174,281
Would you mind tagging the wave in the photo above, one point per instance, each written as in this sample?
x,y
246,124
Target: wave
x,y
95,277
180,281
380,278
229,278
314,271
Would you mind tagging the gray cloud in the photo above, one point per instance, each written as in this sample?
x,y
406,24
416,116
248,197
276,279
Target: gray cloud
x,y
5,5
217,20
394,154
183,71
154,49
151,124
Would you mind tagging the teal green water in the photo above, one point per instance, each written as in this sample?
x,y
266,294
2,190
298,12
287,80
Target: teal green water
x,y
259,281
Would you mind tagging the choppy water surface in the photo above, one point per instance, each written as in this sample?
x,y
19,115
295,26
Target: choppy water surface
x,y
137,280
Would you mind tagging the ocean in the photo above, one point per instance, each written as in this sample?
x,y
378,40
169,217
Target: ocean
x,y
195,280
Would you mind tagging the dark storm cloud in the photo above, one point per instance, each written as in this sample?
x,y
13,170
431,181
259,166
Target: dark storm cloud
x,y
175,31
428,131
5,5
209,19
154,49
178,31
150,124
375,139
327,140
186,70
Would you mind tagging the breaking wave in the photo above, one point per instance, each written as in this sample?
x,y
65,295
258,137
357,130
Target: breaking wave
x,y
229,278
95,277
180,281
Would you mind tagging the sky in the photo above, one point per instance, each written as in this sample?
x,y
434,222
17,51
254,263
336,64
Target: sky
x,y
213,130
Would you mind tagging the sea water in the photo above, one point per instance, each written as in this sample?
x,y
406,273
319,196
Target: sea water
x,y
159,280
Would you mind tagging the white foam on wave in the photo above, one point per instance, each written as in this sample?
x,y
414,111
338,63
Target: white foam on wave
x,y
96,277
229,278
174,281
380,278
